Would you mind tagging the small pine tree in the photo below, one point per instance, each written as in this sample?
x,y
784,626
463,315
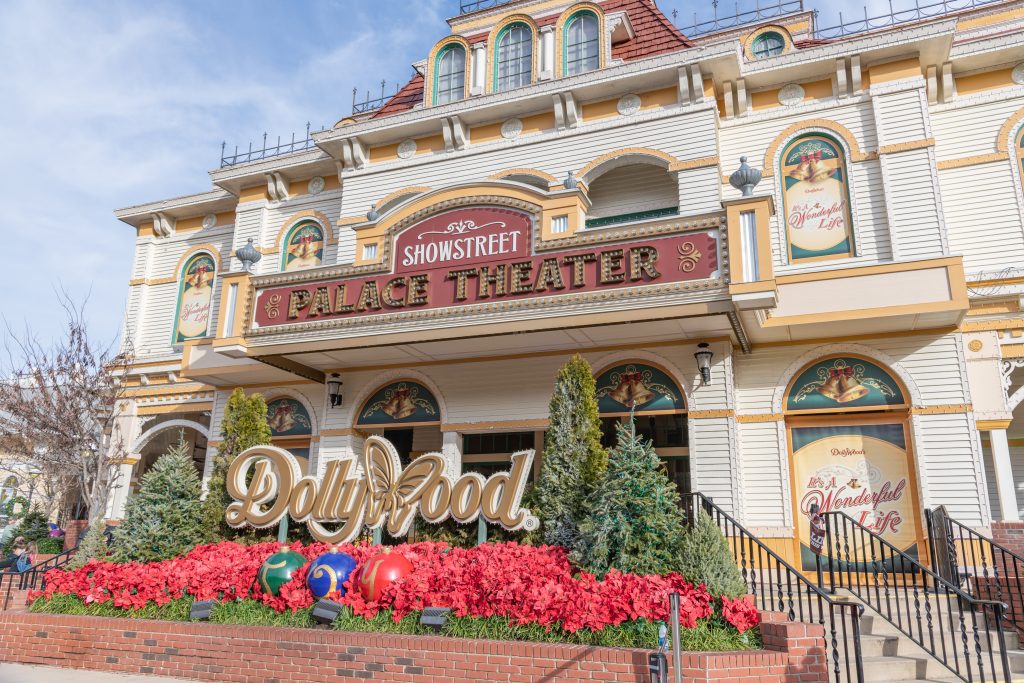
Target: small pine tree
x,y
93,545
704,557
244,426
634,523
165,518
574,460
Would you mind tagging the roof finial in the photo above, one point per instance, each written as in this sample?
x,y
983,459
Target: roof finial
x,y
745,178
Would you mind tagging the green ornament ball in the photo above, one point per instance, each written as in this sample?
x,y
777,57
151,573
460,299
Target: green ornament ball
x,y
277,570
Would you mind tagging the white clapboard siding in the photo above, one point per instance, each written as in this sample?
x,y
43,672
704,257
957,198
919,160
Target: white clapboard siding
x,y
914,215
712,462
700,191
632,189
982,216
249,224
765,488
969,126
685,136
951,473
901,116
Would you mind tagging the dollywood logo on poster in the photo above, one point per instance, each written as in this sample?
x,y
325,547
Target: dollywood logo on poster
x,y
266,484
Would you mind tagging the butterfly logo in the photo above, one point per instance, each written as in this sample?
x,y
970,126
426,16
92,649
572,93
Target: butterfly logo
x,y
395,493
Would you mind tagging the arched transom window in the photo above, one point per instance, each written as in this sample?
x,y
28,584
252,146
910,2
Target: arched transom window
x,y
582,47
513,59
450,74
815,196
768,44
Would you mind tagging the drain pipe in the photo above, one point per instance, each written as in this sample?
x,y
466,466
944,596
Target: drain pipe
x,y
677,656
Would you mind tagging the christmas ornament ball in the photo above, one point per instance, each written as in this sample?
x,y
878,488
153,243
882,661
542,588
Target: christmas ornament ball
x,y
277,570
329,572
380,571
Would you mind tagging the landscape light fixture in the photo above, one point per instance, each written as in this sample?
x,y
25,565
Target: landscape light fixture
x,y
200,610
334,389
435,618
326,611
703,356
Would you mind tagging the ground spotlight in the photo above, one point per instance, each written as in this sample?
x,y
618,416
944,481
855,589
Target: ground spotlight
x,y
200,611
326,611
435,617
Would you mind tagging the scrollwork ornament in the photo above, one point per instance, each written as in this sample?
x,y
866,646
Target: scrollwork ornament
x,y
273,306
689,256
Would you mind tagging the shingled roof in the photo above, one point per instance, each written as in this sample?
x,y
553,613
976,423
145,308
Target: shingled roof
x,y
654,34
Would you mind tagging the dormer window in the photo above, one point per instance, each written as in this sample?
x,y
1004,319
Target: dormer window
x,y
450,74
513,64
768,44
582,47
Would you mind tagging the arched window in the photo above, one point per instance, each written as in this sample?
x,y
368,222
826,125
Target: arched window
x,y
291,428
582,47
1019,147
655,402
815,197
513,59
768,44
450,74
303,246
195,296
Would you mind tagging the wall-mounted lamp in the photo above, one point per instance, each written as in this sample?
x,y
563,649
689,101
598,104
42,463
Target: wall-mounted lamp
x,y
334,389
703,356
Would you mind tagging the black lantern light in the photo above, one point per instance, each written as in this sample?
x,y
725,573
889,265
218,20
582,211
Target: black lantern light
x,y
334,389
703,356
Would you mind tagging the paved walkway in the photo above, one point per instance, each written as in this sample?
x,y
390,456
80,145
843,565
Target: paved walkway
x,y
20,673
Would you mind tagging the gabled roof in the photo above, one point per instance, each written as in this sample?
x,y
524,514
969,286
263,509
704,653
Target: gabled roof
x,y
405,99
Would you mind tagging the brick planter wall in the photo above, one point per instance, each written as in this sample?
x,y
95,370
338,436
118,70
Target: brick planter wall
x,y
1009,534
210,652
1008,590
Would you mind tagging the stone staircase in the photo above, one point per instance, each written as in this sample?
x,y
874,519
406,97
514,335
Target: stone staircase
x,y
891,656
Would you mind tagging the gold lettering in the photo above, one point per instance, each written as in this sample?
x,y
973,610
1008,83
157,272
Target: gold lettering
x,y
460,277
641,262
272,472
321,303
297,300
466,495
387,294
369,297
303,498
499,280
550,275
418,292
339,301
578,262
611,261
521,277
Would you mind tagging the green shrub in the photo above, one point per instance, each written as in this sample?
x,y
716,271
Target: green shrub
x,y
704,557
165,518
33,527
51,546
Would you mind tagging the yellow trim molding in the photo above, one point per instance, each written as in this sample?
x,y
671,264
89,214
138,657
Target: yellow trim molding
x,y
428,81
644,153
502,175
492,47
947,409
207,247
1003,137
761,417
710,414
748,42
907,146
313,214
834,127
602,35
988,425
975,160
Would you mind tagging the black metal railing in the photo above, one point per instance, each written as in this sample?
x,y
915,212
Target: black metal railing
x,y
32,578
965,634
763,10
982,567
895,17
473,5
267,150
371,103
777,586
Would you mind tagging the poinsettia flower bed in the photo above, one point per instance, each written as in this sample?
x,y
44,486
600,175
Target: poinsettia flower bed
x,y
524,584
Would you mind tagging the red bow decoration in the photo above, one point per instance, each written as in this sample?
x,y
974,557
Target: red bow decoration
x,y
401,393
835,373
816,156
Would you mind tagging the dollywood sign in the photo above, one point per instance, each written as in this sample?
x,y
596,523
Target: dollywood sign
x,y
266,484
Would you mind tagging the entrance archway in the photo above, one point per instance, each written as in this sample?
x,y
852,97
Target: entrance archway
x,y
847,423
157,440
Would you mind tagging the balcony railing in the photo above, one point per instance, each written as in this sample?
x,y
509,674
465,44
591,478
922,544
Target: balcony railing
x,y
267,150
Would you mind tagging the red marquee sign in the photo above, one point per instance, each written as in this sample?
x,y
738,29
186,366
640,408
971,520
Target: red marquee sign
x,y
484,255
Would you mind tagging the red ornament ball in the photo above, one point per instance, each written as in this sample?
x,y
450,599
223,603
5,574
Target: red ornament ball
x,y
380,571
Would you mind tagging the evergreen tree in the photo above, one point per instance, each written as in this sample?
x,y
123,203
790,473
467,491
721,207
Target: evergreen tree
x,y
244,426
165,518
574,460
634,520
93,545
704,557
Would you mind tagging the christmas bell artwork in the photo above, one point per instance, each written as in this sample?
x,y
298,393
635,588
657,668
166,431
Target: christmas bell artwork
x,y
400,405
631,390
841,386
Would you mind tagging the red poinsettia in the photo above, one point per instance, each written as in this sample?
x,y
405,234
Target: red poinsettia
x,y
524,584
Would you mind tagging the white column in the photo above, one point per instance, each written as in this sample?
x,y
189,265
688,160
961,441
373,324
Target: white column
x,y
451,447
479,68
1004,475
120,485
547,52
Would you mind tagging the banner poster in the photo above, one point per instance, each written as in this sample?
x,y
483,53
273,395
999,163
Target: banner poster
x,y
861,470
816,207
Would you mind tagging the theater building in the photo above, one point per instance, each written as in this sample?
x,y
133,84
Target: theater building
x,y
567,177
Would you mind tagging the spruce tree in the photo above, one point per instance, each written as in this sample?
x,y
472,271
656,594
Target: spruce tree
x,y
574,460
704,557
93,545
634,520
165,518
244,426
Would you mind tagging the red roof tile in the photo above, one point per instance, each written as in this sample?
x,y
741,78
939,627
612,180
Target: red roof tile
x,y
405,99
810,42
655,33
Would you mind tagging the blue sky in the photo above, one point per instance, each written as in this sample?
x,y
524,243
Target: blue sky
x,y
116,102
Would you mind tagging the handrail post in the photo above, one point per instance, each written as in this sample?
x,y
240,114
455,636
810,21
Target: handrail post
x,y
831,567
1003,655
858,656
677,656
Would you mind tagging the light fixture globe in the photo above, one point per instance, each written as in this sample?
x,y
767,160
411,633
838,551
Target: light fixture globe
x,y
334,389
248,255
745,178
703,357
